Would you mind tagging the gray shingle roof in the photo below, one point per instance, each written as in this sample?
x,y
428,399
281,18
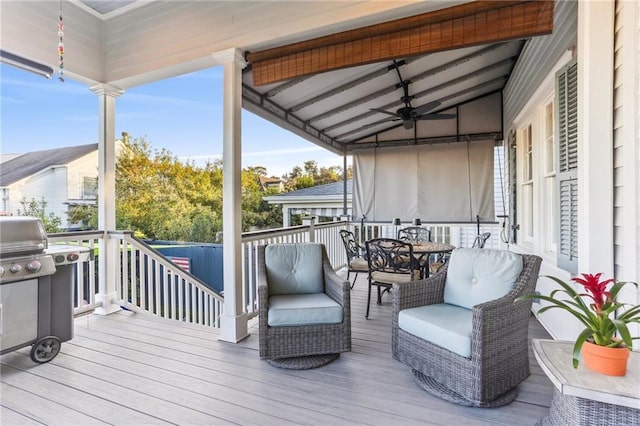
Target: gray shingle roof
x,y
33,162
329,189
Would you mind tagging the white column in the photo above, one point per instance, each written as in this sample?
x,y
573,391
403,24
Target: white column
x,y
233,324
286,217
595,136
108,248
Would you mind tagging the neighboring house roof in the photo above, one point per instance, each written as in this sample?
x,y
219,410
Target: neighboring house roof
x,y
6,157
323,191
267,182
321,200
31,163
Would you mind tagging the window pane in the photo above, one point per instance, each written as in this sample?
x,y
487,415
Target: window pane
x,y
549,140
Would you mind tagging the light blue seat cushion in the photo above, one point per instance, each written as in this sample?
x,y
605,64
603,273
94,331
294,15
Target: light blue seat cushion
x,y
476,276
445,325
303,309
294,268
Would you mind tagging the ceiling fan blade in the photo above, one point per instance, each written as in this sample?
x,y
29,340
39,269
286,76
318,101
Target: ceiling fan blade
x,y
436,117
383,111
425,108
408,124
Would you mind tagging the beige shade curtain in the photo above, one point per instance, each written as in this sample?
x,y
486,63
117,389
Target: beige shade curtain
x,y
436,183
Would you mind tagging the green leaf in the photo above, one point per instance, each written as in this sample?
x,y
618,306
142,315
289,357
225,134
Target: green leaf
x,y
577,347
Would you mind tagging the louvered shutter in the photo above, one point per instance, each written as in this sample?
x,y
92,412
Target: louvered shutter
x,y
567,166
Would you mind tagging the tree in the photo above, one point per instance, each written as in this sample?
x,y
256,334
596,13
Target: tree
x,y
38,209
311,175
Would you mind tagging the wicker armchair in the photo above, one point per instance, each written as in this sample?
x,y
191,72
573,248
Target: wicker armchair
x,y
498,359
309,342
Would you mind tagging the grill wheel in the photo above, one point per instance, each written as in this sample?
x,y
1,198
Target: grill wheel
x,y
45,349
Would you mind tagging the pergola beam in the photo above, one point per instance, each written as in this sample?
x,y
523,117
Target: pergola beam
x,y
456,27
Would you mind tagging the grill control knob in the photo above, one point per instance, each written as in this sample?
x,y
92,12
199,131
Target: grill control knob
x,y
33,266
1,271
59,258
72,257
15,268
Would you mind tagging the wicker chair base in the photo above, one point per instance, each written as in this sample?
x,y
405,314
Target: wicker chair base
x,y
303,362
436,389
571,410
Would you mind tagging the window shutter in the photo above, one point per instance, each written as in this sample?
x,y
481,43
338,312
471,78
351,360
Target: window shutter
x,y
567,166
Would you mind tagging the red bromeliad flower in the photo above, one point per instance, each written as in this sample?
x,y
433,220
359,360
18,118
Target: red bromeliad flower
x,y
596,288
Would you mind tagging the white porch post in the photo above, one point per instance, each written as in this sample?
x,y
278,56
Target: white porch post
x,y
595,136
286,217
233,324
107,196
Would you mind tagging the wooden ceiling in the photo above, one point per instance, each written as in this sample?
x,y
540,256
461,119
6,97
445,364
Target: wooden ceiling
x,y
456,27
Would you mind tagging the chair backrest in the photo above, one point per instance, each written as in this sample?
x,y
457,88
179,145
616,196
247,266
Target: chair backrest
x,y
415,234
475,276
350,244
389,255
480,240
294,268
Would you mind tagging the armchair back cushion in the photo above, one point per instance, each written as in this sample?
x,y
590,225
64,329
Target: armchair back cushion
x,y
294,268
476,276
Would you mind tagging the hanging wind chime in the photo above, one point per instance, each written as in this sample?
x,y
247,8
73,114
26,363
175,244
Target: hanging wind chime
x,y
61,46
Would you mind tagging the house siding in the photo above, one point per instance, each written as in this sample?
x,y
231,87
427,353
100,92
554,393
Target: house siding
x,y
626,137
538,57
57,185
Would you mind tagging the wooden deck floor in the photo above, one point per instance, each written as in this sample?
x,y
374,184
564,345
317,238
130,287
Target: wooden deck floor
x,y
131,369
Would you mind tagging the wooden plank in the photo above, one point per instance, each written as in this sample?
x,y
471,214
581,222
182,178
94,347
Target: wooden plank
x,y
42,410
65,396
10,417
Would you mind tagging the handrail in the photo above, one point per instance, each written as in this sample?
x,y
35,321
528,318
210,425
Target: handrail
x,y
152,283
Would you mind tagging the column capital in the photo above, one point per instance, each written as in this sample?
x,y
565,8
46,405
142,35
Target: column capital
x,y
102,89
233,54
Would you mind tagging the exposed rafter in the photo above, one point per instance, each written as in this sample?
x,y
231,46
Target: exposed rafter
x,y
460,26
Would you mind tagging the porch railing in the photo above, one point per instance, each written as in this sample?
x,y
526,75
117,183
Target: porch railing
x,y
85,280
149,282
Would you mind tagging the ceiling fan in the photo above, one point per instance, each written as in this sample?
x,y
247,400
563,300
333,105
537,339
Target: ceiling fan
x,y
408,114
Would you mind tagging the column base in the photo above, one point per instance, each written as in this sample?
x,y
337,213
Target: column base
x,y
108,307
233,329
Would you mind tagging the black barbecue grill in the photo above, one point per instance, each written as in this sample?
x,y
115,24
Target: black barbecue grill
x,y
36,288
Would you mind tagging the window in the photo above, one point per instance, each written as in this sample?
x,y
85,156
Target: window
x,y
527,181
89,187
567,166
549,176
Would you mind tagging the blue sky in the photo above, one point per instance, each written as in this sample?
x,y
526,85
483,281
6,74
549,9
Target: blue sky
x,y
182,114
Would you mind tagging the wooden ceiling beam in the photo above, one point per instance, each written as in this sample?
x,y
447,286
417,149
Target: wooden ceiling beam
x,y
456,27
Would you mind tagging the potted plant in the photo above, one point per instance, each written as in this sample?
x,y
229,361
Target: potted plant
x,y
595,308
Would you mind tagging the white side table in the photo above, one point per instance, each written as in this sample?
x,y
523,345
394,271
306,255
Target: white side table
x,y
583,397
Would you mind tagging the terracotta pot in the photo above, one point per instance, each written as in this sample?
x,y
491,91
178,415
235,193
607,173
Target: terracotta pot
x,y
601,359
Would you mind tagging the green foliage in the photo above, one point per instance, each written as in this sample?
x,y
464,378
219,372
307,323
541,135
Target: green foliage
x,y
311,175
85,214
160,197
597,317
38,209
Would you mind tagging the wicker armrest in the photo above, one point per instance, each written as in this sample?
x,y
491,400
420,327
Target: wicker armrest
x,y
334,285
418,293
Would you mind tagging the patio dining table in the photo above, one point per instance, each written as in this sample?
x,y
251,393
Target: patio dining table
x,y
423,250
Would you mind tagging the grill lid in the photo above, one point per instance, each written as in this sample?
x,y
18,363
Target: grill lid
x,y
21,235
